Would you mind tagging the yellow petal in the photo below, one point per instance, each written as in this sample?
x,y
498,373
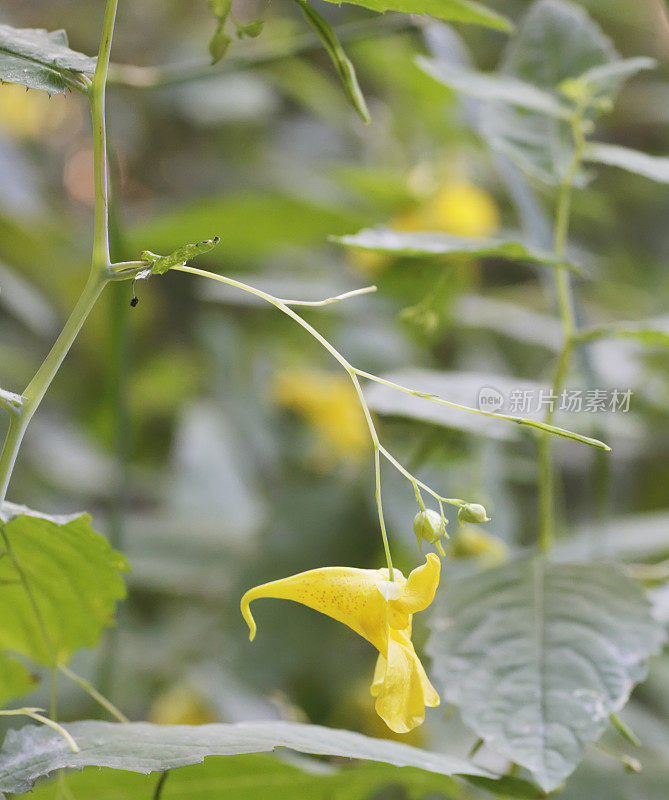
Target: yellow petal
x,y
417,594
401,687
349,595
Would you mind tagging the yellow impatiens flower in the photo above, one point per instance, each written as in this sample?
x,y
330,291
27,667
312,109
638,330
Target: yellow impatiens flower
x,y
329,403
380,610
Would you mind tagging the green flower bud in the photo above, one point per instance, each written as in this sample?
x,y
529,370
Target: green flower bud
x,y
430,526
472,512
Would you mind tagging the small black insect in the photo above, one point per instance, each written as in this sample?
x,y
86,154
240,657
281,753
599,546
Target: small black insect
x,y
134,301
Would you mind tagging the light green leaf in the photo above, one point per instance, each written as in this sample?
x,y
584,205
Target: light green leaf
x,y
419,245
538,655
654,167
37,59
160,264
448,10
32,752
556,41
341,61
15,679
608,78
73,577
502,88
251,226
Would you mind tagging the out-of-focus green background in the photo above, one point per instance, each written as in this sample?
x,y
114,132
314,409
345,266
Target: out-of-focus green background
x,y
215,443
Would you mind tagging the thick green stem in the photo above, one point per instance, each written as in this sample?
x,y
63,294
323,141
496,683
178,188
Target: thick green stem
x,y
38,386
97,97
568,318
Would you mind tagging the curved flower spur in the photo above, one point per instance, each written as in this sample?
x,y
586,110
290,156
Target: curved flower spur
x,y
380,610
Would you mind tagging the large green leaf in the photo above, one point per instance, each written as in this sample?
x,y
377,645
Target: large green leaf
x,y
38,59
448,10
15,679
556,41
253,777
251,226
417,245
32,751
538,655
485,86
654,167
72,575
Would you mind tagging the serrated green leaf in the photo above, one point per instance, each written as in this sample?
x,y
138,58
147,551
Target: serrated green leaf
x,y
447,10
74,579
538,655
15,678
421,245
31,752
502,88
656,168
37,59
160,264
341,61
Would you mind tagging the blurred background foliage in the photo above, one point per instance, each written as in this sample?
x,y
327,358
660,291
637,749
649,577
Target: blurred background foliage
x,y
217,445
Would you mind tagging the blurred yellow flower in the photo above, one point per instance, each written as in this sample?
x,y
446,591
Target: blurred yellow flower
x,y
475,543
379,610
459,208
29,115
180,705
329,403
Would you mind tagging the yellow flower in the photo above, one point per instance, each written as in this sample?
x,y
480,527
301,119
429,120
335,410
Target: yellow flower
x,y
459,208
379,610
329,403
29,115
475,543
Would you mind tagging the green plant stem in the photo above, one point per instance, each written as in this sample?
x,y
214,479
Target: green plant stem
x,y
33,713
97,280
351,371
565,300
158,792
97,96
94,693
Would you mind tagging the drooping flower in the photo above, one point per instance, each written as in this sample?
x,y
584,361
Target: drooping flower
x,y
380,610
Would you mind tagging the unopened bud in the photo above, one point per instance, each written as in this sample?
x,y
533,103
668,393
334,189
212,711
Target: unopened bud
x,y
430,526
472,512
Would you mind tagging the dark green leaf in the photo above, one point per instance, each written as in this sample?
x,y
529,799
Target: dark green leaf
x,y
341,61
33,751
37,59
537,656
448,10
160,264
654,167
418,245
74,580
